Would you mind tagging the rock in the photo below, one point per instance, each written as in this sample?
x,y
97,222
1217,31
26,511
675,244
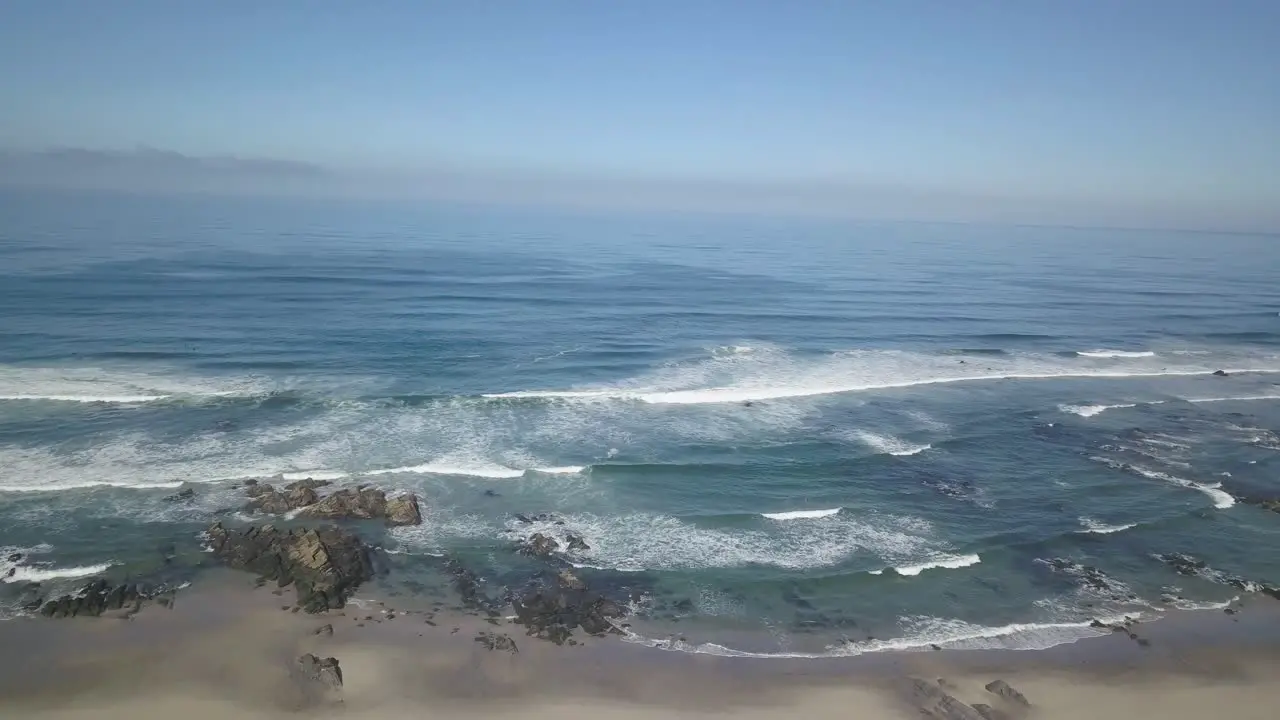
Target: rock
x,y
16,557
1229,611
267,499
989,712
575,543
539,546
308,484
1221,373
493,641
97,598
1006,691
325,565
491,493
935,702
569,581
404,510
182,496
323,630
322,677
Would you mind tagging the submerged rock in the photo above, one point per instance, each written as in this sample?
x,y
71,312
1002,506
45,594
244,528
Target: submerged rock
x,y
182,496
325,565
1221,373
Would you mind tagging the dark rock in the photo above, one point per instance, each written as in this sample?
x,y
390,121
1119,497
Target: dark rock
x,y
575,543
323,630
493,641
11,572
1006,691
325,565
1221,373
366,504
98,597
491,493
322,677
16,557
990,713
934,702
308,484
539,546
182,496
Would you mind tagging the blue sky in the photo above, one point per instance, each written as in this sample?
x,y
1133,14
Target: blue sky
x,y
1161,112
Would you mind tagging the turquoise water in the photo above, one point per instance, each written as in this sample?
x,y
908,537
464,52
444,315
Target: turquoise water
x,y
749,419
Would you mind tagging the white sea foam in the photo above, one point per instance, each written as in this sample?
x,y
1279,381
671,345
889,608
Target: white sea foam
x,y
643,541
802,514
1091,410
117,399
890,445
1221,499
101,385
1092,526
922,634
1241,398
951,562
772,373
561,470
1115,353
475,469
25,573
313,475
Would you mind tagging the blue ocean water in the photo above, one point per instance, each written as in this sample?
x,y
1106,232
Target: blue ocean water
x,y
800,437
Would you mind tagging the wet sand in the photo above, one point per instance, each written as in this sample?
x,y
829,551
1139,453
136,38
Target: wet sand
x,y
226,650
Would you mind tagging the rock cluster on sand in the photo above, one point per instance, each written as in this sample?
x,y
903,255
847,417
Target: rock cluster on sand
x,y
321,678
98,597
359,504
552,610
325,565
933,701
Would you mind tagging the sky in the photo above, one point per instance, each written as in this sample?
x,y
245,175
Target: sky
x,y
1129,112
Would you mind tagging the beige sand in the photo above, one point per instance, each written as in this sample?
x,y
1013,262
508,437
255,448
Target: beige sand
x,y
225,651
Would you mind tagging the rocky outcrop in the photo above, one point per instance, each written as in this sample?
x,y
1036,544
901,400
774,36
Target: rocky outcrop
x,y
366,504
321,678
932,701
575,543
552,611
325,565
267,499
990,713
1221,373
99,597
493,641
539,545
1006,691
404,510
359,504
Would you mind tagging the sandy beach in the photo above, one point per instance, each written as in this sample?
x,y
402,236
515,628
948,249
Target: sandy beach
x,y
228,649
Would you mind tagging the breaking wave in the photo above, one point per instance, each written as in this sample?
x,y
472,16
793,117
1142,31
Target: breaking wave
x,y
890,445
802,514
662,542
1091,410
1094,527
948,562
1115,353
25,573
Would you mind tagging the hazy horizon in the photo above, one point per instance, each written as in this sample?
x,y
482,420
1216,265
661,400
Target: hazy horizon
x,y
1142,114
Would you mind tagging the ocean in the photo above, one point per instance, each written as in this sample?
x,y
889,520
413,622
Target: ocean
x,y
796,437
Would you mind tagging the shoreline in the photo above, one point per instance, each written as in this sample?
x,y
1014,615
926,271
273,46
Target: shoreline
x,y
225,648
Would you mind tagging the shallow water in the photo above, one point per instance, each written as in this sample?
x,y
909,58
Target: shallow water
x,y
751,419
